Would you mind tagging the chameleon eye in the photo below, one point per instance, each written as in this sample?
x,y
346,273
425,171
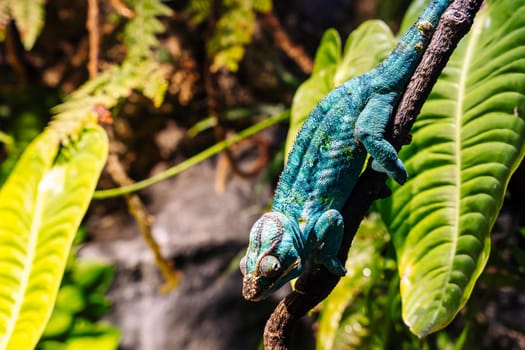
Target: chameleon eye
x,y
269,266
242,266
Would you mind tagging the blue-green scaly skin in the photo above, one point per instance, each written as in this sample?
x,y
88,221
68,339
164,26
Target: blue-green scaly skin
x,y
305,224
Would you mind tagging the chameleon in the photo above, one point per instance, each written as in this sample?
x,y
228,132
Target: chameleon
x,y
305,225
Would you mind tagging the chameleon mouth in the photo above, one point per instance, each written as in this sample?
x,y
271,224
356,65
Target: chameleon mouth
x,y
251,289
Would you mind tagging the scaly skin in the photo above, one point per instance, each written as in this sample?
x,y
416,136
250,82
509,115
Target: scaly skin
x,y
305,224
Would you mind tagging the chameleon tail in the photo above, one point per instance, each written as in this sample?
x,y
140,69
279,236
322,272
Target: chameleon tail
x,y
398,67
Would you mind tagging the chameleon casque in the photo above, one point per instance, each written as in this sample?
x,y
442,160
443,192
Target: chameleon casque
x,y
305,225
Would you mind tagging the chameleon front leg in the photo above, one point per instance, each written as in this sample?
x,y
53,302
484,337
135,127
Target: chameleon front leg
x,y
328,232
370,128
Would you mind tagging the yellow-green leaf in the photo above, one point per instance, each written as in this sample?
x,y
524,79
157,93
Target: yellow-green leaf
x,y
41,206
467,142
29,17
346,320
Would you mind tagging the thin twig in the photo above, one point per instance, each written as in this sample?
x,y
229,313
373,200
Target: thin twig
x,y
196,159
139,211
313,286
135,206
283,40
12,56
94,37
122,9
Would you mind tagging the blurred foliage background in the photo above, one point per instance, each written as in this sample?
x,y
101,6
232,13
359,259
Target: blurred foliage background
x,y
170,79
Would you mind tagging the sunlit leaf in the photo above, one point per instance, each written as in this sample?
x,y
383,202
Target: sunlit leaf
x,y
41,205
467,141
344,321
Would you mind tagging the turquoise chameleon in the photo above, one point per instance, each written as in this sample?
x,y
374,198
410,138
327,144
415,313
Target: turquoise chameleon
x,y
305,224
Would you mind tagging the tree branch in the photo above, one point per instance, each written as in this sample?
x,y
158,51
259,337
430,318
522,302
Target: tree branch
x,y
283,40
315,285
92,25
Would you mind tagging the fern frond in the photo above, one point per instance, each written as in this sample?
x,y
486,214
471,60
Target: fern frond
x,y
138,72
233,31
198,10
140,33
4,18
28,16
263,6
107,89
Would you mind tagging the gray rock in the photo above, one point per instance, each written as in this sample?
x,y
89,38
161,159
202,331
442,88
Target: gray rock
x,y
204,233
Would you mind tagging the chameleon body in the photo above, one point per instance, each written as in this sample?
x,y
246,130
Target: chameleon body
x,y
305,224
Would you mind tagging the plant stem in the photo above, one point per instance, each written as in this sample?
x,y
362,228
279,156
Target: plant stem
x,y
207,153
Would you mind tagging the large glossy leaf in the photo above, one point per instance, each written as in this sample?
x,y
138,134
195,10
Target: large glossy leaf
x,y
41,205
354,314
467,141
364,48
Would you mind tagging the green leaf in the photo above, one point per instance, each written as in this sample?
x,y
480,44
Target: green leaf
x,y
29,17
59,323
71,299
87,335
263,6
329,51
412,13
467,142
41,205
105,341
140,33
92,275
51,345
364,48
344,320
98,305
370,43
232,33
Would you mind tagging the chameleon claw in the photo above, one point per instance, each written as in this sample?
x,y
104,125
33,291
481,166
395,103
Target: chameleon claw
x,y
335,267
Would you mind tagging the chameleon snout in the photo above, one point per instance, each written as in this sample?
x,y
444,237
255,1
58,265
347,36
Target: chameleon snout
x,y
251,290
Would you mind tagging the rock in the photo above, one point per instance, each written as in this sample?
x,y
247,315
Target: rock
x,y
204,233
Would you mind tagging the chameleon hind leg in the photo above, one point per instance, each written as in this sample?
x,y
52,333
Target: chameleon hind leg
x,y
329,233
370,128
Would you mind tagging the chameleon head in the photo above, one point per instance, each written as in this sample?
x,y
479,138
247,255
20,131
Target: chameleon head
x,y
273,256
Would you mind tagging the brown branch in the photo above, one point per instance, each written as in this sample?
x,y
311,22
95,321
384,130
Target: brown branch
x,y
12,55
114,167
454,24
313,286
94,37
139,211
122,9
283,40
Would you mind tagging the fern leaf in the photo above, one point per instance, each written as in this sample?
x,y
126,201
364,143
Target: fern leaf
x,y
4,18
263,6
233,31
29,18
140,32
198,10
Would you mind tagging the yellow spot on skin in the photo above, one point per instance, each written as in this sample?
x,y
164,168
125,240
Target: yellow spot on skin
x,y
419,46
425,27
